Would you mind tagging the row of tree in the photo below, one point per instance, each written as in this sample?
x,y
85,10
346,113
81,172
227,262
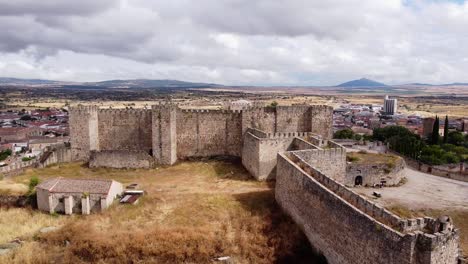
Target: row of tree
x,y
452,148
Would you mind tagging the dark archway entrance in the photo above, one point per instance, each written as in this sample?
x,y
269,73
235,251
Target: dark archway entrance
x,y
358,180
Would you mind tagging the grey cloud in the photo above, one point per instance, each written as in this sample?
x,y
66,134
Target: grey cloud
x,y
54,7
235,41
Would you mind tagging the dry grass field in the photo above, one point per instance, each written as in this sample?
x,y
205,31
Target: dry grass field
x,y
193,212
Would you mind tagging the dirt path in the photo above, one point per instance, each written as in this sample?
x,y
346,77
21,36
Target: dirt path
x,y
424,191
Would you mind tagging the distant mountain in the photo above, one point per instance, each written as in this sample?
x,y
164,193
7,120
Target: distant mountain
x,y
362,83
444,84
16,81
144,83
137,83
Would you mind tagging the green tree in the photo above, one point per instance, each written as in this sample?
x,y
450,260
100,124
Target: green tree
x,y
5,154
455,138
435,132
357,137
344,134
446,125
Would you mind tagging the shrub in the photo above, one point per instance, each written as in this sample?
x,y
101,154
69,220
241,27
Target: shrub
x,y
344,134
33,182
24,159
5,154
352,158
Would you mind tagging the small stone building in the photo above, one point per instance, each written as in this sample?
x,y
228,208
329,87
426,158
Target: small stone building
x,y
70,196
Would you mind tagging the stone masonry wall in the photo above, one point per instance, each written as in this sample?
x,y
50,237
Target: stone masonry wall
x,y
331,162
121,159
260,150
321,117
205,133
375,173
164,133
344,233
251,153
176,133
83,131
125,129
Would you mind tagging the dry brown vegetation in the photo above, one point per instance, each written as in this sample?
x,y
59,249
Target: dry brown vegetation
x,y
363,157
193,212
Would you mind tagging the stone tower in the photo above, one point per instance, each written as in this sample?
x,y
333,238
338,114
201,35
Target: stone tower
x,y
164,133
84,134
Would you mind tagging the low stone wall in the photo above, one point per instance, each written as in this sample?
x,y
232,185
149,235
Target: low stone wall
x,y
13,200
301,144
356,231
121,159
16,168
416,165
55,154
371,174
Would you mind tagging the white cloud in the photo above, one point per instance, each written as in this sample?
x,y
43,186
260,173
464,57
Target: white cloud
x,y
236,41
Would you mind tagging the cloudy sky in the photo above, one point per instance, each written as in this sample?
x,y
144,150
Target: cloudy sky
x,y
242,42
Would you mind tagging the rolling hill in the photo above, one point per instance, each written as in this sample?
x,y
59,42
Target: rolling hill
x,y
362,83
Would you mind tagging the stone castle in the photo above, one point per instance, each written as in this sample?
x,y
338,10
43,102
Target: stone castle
x,y
289,143
141,138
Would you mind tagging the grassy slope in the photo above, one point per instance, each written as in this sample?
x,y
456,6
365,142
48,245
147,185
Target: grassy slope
x,y
193,212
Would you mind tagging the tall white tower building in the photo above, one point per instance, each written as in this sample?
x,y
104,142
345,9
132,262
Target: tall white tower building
x,y
390,106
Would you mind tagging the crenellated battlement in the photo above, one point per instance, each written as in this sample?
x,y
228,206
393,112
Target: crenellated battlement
x,y
125,111
83,108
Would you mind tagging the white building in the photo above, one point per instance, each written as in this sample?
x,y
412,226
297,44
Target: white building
x,y
70,196
390,106
240,104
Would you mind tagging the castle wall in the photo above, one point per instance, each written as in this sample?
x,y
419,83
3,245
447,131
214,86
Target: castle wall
x,y
331,162
251,153
293,118
260,150
205,133
321,117
120,159
263,119
375,173
344,233
164,133
125,129
171,133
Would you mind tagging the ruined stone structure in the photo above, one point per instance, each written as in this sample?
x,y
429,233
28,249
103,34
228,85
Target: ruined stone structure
x,y
346,227
140,138
369,174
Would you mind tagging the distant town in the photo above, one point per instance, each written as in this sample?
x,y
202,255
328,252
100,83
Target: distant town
x,y
363,118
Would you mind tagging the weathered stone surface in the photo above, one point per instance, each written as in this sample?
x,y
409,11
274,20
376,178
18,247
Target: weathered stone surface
x,y
171,133
347,228
120,159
